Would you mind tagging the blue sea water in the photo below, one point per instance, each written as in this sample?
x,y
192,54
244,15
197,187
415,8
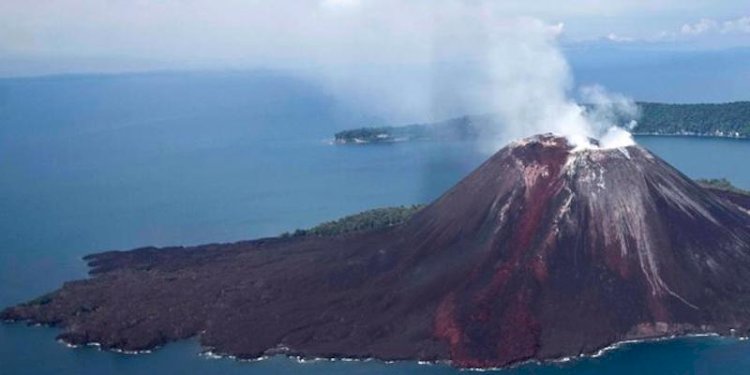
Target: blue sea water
x,y
93,163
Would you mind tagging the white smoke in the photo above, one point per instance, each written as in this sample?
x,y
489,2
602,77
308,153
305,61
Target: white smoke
x,y
614,115
530,84
425,61
477,60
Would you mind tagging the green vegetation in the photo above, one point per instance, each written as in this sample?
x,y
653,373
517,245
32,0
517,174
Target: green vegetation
x,y
721,183
367,220
41,300
466,127
380,218
374,134
384,134
723,120
718,120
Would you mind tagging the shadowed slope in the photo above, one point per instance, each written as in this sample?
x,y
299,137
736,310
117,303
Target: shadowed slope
x,y
541,252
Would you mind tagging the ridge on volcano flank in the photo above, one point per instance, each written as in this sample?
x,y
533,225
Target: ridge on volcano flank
x,y
543,251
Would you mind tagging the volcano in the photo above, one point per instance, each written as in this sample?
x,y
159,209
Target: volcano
x,y
544,251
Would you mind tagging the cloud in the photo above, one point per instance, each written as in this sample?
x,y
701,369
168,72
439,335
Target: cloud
x,y
701,27
245,32
346,4
710,30
739,25
612,37
704,26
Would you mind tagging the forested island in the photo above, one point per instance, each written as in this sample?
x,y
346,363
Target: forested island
x,y
730,120
721,184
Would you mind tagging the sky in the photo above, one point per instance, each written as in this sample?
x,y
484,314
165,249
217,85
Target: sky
x,y
408,61
52,36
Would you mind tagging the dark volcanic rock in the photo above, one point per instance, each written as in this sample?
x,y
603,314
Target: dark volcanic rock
x,y
541,252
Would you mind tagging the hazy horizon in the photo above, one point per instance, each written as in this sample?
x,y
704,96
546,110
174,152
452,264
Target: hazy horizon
x,y
405,61
94,35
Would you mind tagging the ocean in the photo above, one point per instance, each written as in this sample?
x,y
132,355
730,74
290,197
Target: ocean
x,y
95,163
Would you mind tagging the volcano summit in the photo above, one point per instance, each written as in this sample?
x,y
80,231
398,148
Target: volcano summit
x,y
542,252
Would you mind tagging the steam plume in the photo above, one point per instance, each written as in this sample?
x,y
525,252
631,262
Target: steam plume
x,y
482,61
531,86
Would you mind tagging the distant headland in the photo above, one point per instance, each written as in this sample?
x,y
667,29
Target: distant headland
x,y
726,120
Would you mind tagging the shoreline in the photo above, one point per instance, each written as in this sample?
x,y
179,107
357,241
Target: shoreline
x,y
676,135
364,142
286,353
301,359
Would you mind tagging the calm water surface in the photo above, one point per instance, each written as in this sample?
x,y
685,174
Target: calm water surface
x,y
100,163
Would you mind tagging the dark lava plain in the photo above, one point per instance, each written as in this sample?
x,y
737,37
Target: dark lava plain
x,y
540,253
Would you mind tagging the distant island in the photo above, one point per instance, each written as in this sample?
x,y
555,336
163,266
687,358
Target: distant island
x,y
731,120
720,184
